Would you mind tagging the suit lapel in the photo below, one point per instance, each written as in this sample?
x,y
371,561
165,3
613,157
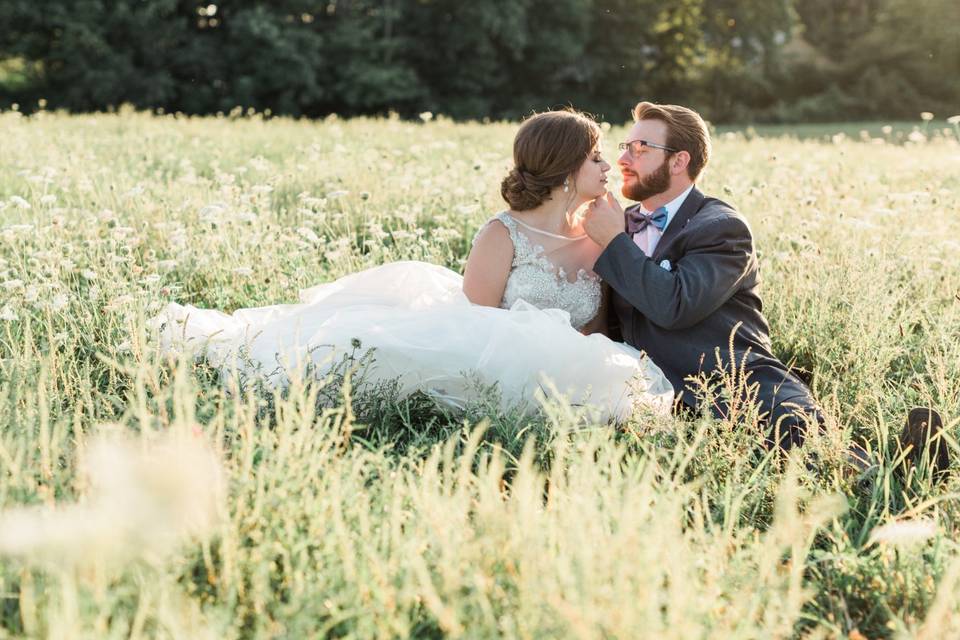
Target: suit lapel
x,y
688,209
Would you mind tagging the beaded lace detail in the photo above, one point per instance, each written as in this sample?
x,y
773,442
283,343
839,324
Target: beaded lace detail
x,y
544,285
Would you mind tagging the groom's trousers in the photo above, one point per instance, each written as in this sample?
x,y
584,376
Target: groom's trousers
x,y
788,411
790,421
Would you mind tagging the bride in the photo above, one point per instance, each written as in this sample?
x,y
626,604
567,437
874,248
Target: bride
x,y
526,316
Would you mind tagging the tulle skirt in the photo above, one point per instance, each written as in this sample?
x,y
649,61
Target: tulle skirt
x,y
426,336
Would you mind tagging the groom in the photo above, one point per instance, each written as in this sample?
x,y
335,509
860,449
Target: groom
x,y
685,280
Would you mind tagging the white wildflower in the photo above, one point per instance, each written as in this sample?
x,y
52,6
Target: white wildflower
x,y
88,274
376,231
119,301
48,199
142,500
444,234
904,532
338,193
93,293
20,202
259,163
212,212
7,313
954,119
916,136
887,129
426,116
308,234
313,203
10,285
59,302
926,116
32,293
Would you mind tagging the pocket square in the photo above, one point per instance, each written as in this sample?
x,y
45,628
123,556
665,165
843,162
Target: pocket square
x,y
665,264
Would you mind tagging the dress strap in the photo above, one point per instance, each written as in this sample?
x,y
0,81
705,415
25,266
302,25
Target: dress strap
x,y
507,221
541,231
510,223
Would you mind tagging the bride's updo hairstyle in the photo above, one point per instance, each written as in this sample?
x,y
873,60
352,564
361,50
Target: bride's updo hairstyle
x,y
549,147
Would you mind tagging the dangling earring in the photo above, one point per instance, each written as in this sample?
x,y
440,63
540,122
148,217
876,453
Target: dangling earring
x,y
566,185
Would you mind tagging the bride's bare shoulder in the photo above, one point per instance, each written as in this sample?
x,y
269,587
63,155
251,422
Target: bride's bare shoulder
x,y
492,248
488,265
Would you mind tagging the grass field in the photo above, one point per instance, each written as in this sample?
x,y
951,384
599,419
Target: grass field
x,y
368,515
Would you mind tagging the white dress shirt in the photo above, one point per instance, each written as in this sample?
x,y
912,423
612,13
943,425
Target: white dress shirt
x,y
648,239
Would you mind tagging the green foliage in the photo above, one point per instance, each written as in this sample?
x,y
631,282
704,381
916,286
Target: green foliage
x,y
870,59
733,60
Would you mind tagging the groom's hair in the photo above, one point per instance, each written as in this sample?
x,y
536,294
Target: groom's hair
x,y
686,131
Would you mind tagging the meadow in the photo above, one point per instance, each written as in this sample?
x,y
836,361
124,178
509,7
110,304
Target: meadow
x,y
176,508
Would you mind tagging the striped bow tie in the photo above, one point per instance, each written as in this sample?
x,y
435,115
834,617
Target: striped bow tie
x,y
638,220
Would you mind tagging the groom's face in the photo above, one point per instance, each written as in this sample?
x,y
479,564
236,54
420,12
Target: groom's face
x,y
647,173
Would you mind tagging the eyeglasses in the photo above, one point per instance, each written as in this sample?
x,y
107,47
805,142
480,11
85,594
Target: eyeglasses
x,y
635,147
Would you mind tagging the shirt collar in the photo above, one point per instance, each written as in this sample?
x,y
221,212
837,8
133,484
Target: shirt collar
x,y
674,205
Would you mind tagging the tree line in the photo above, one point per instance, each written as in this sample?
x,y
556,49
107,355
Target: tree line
x,y
735,60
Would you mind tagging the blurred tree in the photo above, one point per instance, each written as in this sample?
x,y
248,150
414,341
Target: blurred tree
x,y
832,26
95,53
365,56
463,51
731,59
913,54
873,59
641,50
551,67
744,39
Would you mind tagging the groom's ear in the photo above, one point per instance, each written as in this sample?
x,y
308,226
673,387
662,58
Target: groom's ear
x,y
680,162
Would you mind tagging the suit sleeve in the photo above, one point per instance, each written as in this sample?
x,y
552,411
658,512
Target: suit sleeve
x,y
715,264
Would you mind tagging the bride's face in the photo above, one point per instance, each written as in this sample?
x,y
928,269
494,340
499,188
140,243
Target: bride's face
x,y
592,176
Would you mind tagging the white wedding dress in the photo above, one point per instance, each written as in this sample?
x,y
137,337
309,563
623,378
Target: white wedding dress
x,y
429,337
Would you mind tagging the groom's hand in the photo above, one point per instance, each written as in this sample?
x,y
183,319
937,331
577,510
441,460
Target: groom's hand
x,y
604,220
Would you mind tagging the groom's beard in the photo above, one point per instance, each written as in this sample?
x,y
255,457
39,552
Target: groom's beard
x,y
649,186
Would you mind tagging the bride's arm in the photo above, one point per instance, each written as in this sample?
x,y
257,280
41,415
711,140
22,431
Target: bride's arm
x,y
488,266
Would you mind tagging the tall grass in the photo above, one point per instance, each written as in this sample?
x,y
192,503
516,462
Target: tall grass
x,y
351,512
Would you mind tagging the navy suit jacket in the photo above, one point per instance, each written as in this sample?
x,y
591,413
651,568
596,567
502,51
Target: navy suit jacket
x,y
687,317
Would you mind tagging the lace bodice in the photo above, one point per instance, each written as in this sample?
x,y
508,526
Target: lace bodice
x,y
546,284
